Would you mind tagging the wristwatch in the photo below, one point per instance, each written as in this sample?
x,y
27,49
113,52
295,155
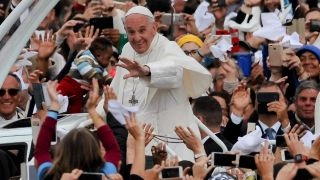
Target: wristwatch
x,y
300,158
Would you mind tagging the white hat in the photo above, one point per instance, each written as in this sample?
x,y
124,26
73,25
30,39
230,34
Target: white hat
x,y
139,10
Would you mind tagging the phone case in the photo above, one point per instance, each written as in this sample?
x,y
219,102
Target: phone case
x,y
247,161
46,96
177,19
38,95
101,22
286,156
280,141
171,172
220,159
275,55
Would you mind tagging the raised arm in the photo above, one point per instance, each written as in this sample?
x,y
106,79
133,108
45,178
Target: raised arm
x,y
104,132
48,128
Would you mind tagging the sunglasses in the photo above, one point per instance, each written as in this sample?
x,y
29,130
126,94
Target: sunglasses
x,y
11,91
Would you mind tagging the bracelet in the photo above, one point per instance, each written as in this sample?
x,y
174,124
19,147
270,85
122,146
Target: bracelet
x,y
202,56
197,156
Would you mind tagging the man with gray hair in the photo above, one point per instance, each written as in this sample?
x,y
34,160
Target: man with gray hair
x,y
10,99
305,99
156,75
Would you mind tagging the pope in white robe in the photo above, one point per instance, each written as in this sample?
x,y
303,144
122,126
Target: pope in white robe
x,y
163,95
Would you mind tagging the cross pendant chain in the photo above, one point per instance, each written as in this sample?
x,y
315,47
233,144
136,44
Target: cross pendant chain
x,y
133,101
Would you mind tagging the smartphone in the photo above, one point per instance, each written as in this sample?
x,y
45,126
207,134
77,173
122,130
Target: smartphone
x,y
171,172
91,176
280,141
315,26
38,95
247,161
46,96
286,155
78,26
275,55
263,98
251,127
303,174
220,159
177,19
101,22
226,37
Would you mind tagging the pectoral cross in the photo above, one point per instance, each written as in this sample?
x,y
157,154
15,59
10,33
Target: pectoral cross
x,y
133,101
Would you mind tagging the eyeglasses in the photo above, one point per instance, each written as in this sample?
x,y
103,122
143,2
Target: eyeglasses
x,y
192,52
11,92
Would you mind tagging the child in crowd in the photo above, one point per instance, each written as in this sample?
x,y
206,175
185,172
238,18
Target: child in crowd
x,y
90,63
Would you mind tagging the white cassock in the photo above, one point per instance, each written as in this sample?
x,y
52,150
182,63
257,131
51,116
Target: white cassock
x,y
163,96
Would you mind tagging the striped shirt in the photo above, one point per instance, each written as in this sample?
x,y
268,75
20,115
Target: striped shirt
x,y
85,67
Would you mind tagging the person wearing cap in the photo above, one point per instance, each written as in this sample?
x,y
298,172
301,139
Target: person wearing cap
x,y
191,45
310,56
156,75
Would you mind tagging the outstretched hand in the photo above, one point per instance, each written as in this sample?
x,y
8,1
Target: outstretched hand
x,y
93,95
135,69
134,127
109,94
45,46
52,90
190,139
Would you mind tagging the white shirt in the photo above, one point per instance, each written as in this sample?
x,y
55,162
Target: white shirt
x,y
275,127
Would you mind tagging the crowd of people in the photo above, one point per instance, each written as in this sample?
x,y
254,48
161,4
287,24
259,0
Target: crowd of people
x,y
226,89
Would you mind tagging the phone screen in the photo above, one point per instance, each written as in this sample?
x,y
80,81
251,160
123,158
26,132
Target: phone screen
x,y
286,155
91,176
263,99
38,94
220,159
170,172
101,22
303,174
246,161
280,141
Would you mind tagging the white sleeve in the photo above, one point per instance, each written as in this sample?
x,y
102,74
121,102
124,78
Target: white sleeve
x,y
235,119
164,74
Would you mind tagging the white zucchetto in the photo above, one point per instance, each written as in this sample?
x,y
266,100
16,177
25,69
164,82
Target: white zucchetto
x,y
139,10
